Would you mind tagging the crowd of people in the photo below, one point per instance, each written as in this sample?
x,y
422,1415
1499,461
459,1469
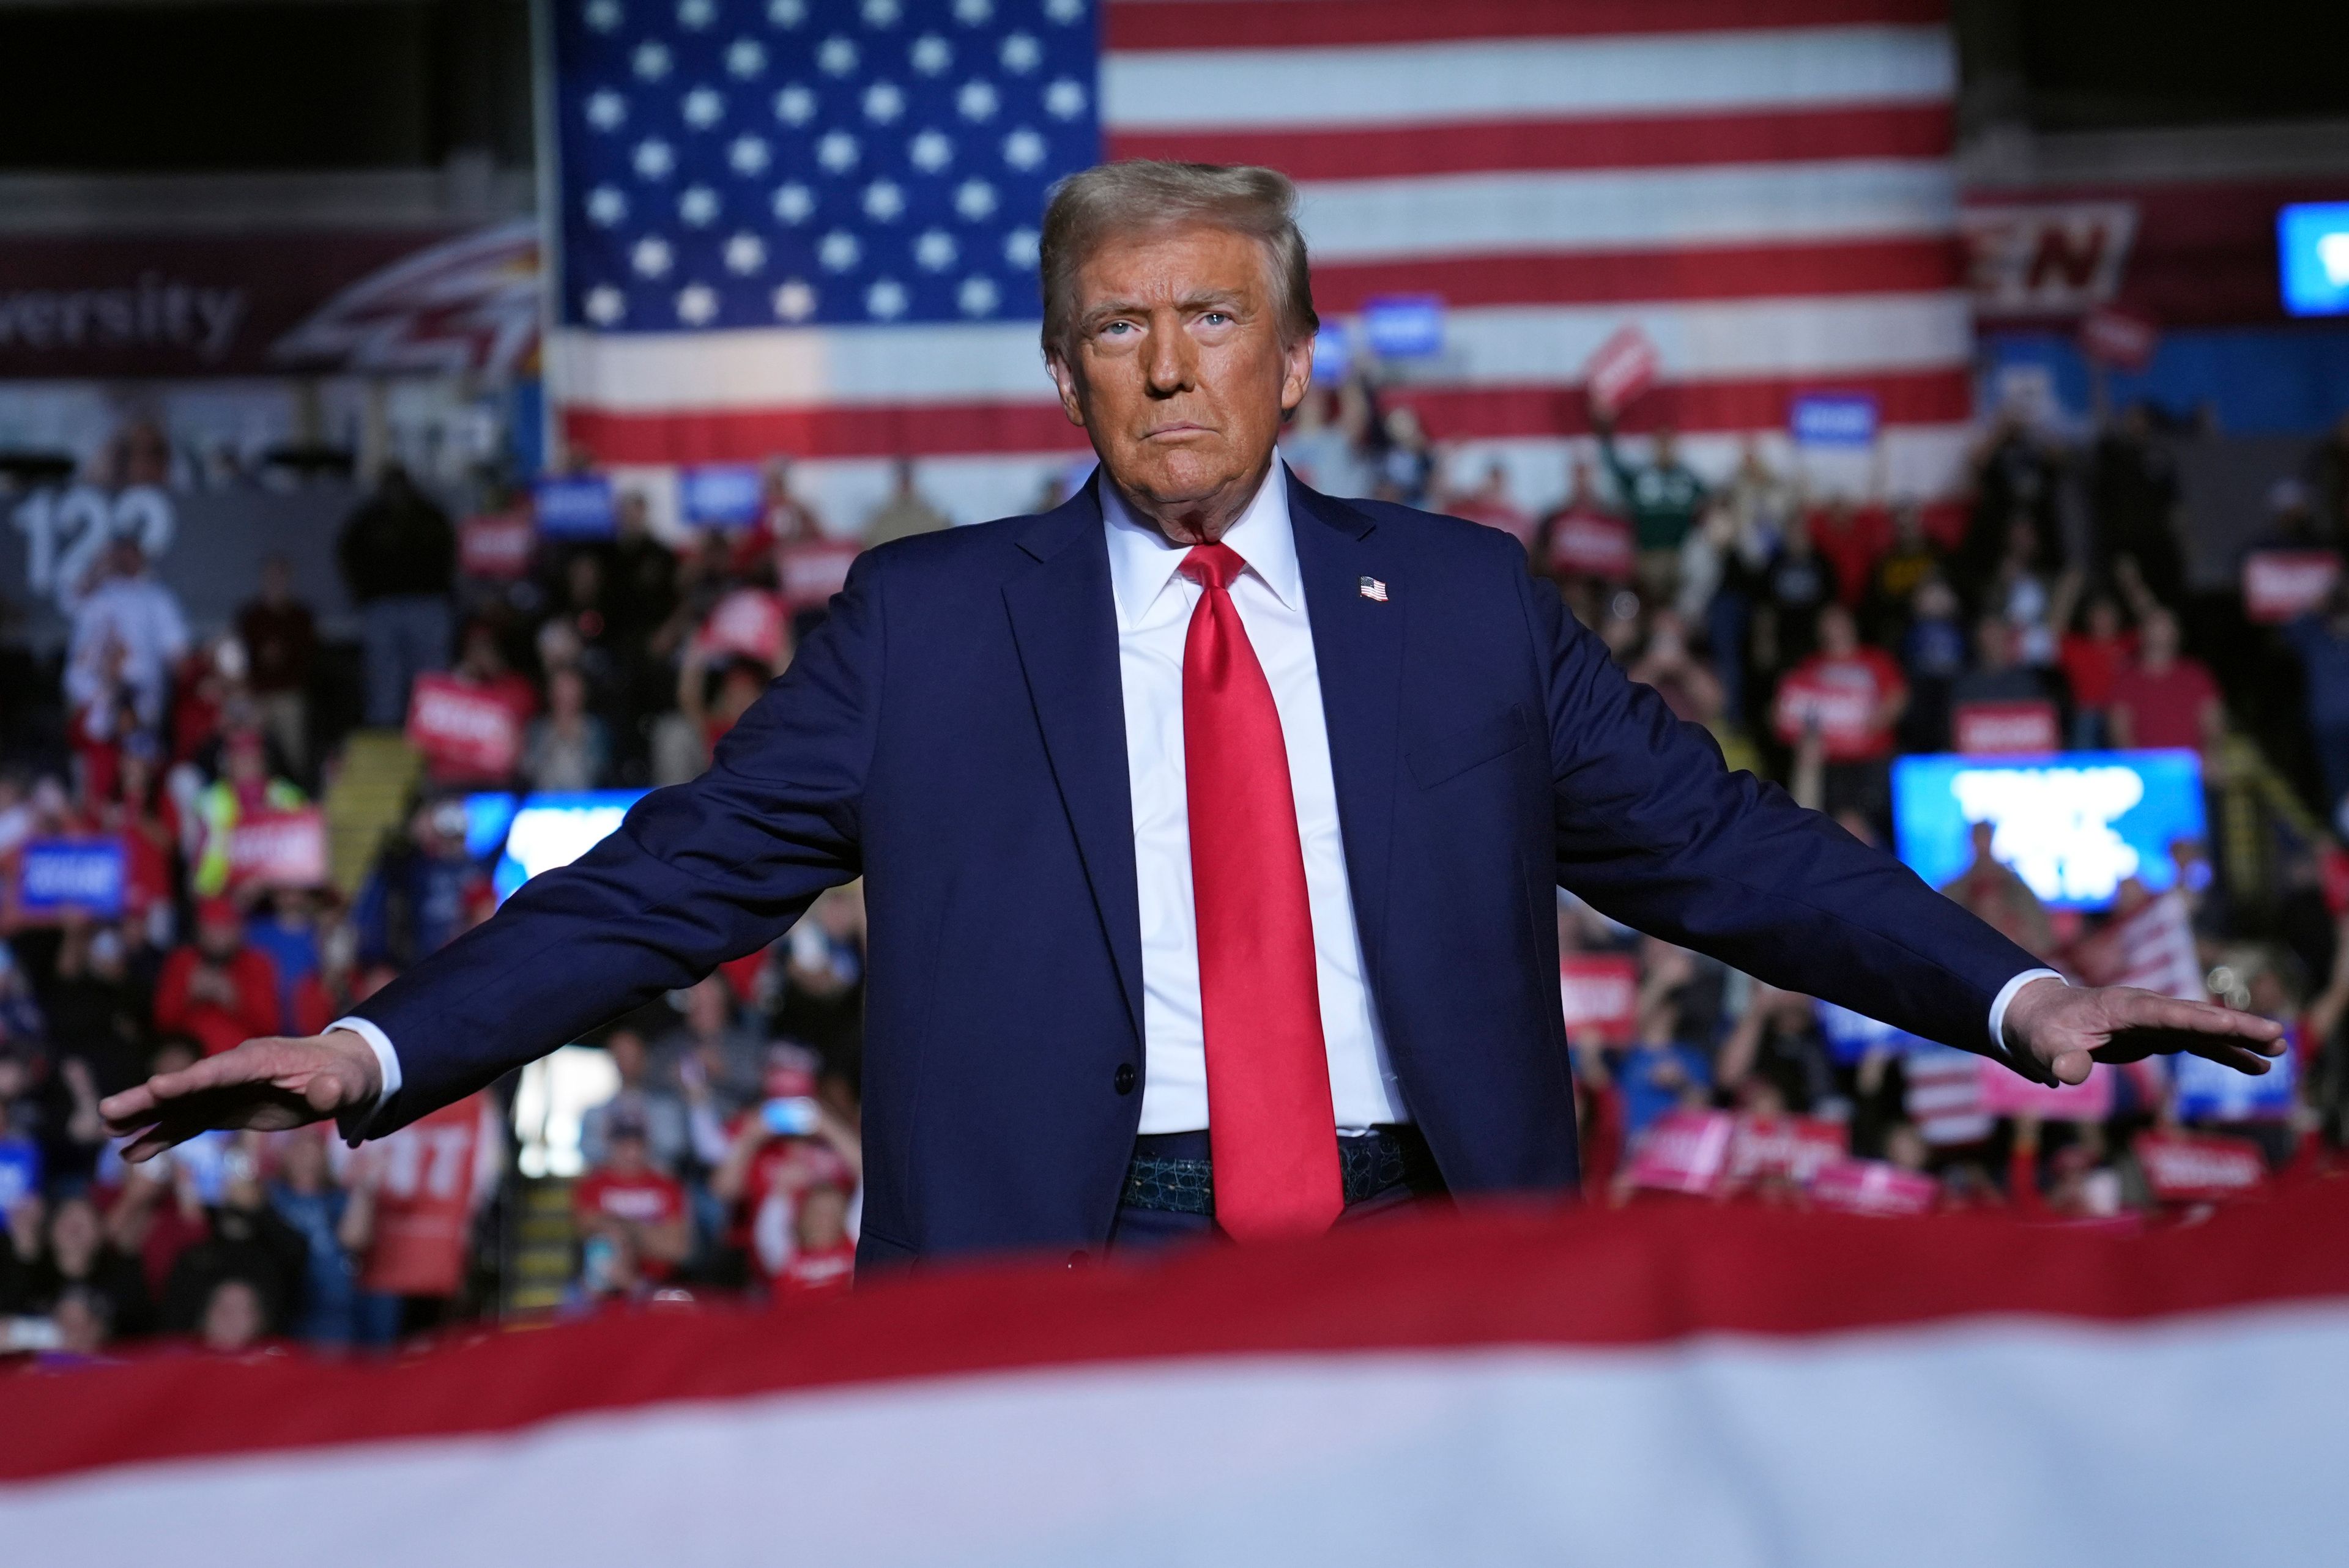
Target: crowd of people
x,y
1817,637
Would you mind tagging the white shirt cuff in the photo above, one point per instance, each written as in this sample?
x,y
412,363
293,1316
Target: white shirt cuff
x,y
354,1123
1997,1006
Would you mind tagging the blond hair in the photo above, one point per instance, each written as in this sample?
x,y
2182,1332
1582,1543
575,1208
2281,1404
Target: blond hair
x,y
1141,196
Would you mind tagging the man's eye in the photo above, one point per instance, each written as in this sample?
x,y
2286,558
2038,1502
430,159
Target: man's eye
x,y
1117,326
1214,318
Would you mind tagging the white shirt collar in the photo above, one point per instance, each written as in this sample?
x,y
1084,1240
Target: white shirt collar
x,y
1143,561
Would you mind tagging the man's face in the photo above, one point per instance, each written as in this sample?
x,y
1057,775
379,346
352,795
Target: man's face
x,y
1179,375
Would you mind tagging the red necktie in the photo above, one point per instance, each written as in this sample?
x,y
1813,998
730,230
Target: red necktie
x,y
1270,1124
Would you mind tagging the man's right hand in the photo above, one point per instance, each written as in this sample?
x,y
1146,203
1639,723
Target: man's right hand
x,y
268,1084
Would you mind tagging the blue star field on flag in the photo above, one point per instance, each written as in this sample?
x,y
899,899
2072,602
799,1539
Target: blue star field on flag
x,y
758,163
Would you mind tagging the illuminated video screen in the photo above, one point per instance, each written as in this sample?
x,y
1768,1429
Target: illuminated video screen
x,y
2073,826
535,833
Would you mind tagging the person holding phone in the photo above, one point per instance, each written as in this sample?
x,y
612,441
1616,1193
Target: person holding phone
x,y
780,1149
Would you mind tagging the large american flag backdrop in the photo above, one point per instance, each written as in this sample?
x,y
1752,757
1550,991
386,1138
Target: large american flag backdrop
x,y
808,227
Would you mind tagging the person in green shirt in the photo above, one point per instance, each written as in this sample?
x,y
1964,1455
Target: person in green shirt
x,y
1662,500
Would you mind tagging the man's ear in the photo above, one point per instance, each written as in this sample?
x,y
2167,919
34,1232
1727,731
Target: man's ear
x,y
1296,374
1065,378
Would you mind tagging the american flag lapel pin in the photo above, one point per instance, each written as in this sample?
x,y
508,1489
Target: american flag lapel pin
x,y
1374,588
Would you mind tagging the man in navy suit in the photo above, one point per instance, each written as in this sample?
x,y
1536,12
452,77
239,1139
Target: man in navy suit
x,y
1210,829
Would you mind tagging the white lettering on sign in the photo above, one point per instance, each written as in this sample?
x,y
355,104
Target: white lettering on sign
x,y
2055,258
70,879
2054,825
67,530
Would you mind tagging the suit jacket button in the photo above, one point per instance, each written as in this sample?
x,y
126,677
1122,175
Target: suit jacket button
x,y
1123,1079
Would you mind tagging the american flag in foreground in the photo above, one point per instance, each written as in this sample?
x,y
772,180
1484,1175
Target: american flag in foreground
x,y
808,226
1682,1384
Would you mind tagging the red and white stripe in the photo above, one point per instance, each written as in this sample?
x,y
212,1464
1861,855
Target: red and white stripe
x,y
1682,1384
1763,186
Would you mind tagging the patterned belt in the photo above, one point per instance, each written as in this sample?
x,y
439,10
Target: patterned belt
x,y
1370,1163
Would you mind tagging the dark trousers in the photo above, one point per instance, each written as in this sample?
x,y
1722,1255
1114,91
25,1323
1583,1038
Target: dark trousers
x,y
1135,1230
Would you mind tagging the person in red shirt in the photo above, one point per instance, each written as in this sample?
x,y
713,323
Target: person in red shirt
x,y
825,1261
1853,540
2092,653
628,1202
766,1169
1582,538
2165,698
216,990
1842,705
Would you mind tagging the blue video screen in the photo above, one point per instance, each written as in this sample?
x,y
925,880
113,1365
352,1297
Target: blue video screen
x,y
2073,826
2313,248
535,833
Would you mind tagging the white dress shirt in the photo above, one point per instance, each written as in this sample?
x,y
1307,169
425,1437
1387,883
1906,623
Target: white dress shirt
x,y
1154,600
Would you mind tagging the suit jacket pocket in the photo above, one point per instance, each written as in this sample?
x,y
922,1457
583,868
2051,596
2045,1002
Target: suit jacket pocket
x,y
1453,754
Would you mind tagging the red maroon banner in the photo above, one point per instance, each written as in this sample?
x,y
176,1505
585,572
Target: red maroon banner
x,y
747,623
1785,1148
1622,367
2005,1092
463,730
1600,992
279,849
813,569
2006,727
1873,1187
496,545
2183,1169
2121,338
2285,585
1591,544
1683,1151
424,1202
1845,714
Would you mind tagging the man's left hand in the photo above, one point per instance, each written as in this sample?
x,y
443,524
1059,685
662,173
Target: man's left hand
x,y
2069,1029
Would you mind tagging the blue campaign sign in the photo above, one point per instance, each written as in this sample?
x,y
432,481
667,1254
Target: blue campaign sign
x,y
721,495
2209,1091
1333,354
55,875
1852,1035
2313,245
1403,327
1833,419
2073,826
20,1172
579,507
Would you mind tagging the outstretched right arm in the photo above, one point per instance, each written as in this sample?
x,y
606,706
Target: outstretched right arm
x,y
697,874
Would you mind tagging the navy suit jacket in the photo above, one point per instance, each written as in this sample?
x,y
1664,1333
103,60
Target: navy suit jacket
x,y
954,734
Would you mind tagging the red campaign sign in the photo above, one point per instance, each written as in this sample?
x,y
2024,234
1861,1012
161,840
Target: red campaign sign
x,y
496,544
1600,992
1792,1148
1683,1151
2005,1092
2182,1168
1625,366
811,571
1591,544
279,849
2006,727
1845,713
2281,585
424,1202
1873,1187
748,623
463,730
2120,338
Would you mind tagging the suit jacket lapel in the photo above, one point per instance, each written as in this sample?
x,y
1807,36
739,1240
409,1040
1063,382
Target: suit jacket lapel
x,y
1358,651
1064,620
